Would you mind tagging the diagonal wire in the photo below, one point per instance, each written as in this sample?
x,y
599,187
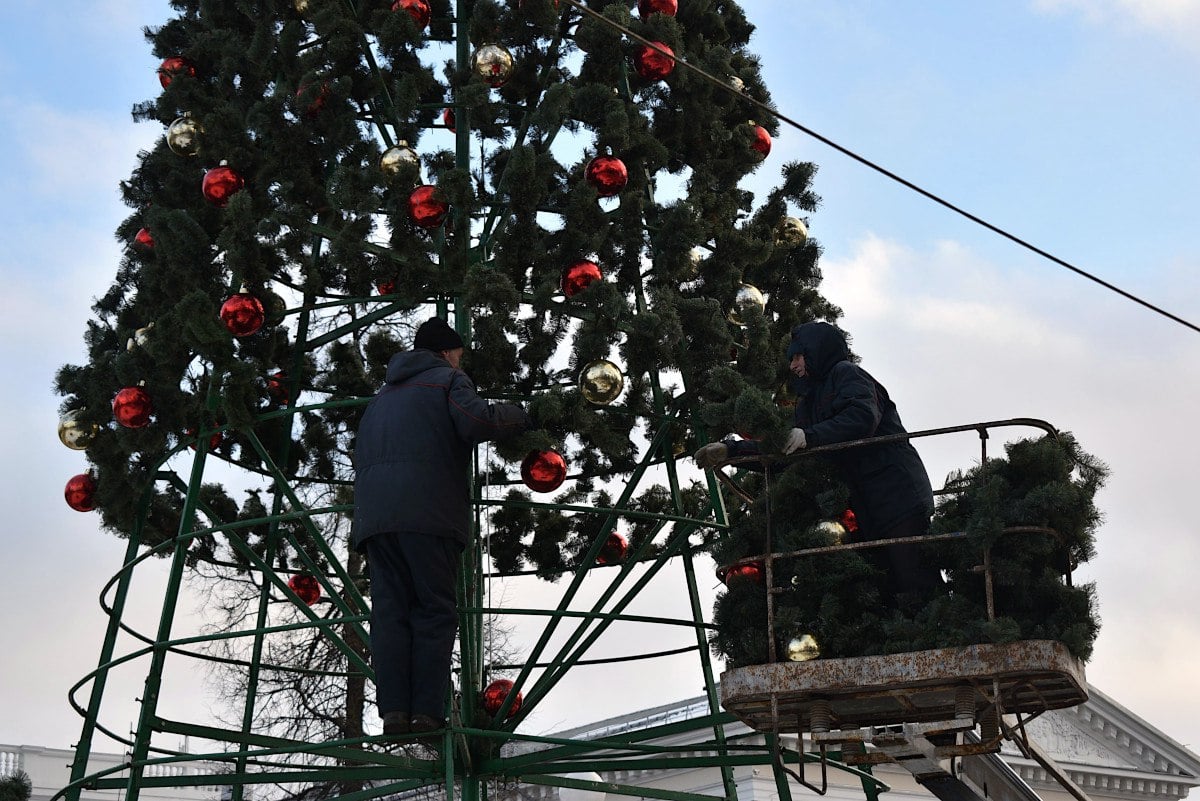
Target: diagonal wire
x,y
883,170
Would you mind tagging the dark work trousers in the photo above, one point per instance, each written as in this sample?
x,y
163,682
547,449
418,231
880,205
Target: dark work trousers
x,y
908,576
414,620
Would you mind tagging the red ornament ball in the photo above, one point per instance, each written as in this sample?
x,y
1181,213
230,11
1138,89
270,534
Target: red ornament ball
x,y
132,407
648,7
243,314
613,550
214,439
494,695
175,65
314,106
579,276
849,521
750,571
277,389
544,471
417,9
306,587
426,207
760,140
607,174
386,287
220,184
80,493
448,118
143,242
653,65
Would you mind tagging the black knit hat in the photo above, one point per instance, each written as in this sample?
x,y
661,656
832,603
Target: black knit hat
x,y
436,334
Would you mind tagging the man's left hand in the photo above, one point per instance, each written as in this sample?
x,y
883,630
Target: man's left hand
x,y
795,441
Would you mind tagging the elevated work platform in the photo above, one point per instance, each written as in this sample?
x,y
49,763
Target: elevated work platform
x,y
923,686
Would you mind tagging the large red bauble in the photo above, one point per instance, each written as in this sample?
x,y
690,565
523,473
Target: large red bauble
x,y
426,207
448,119
613,550
652,65
132,407
386,287
648,7
306,587
751,571
80,493
175,65
417,9
760,140
143,241
849,520
544,471
221,183
494,695
607,174
243,314
579,276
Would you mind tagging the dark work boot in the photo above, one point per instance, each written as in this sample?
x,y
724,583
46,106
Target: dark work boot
x,y
421,724
395,723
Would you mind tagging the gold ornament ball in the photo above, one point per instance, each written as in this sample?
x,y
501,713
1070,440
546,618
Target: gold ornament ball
x,y
75,433
803,648
601,382
493,63
301,6
695,256
183,136
737,83
395,158
791,231
746,298
140,338
832,529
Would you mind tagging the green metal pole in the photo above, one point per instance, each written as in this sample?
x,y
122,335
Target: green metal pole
x,y
149,711
84,746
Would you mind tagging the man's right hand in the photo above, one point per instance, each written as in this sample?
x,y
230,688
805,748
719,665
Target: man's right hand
x,y
711,454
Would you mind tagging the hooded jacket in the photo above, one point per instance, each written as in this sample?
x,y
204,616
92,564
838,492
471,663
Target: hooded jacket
x,y
413,454
840,402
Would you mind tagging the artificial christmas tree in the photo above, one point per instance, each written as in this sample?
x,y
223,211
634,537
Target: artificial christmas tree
x,y
630,321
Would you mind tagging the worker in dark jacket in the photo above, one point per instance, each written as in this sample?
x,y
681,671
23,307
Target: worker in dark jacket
x,y
889,487
412,517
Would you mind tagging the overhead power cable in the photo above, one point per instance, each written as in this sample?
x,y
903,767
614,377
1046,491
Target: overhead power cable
x,y
883,170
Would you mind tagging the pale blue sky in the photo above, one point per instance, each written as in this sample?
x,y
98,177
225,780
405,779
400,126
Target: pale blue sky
x,y
1073,124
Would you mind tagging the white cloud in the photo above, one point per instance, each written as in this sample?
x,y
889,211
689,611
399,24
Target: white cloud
x,y
1175,20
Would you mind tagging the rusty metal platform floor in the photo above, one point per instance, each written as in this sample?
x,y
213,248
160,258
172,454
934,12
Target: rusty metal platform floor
x,y
922,686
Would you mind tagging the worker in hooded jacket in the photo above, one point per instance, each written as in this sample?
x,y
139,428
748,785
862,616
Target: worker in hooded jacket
x,y
412,517
890,491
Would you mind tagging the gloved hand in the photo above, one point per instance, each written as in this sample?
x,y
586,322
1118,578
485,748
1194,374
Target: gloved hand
x,y
711,454
795,441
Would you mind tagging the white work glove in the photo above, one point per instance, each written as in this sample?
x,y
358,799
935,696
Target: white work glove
x,y
711,454
795,441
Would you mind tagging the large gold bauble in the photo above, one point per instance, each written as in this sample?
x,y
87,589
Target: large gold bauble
x,y
183,136
395,158
791,231
75,433
832,529
140,338
601,382
746,298
493,63
803,648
